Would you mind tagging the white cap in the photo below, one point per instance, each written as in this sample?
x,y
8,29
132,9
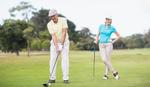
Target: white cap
x,y
52,12
108,17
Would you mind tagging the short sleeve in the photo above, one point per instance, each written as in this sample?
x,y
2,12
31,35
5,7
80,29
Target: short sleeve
x,y
50,29
64,24
100,27
114,30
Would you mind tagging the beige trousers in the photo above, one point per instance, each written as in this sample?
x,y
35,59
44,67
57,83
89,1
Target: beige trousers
x,y
105,52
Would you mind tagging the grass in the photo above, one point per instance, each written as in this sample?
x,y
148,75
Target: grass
x,y
23,71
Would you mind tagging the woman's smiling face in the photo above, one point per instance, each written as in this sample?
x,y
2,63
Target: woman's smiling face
x,y
108,21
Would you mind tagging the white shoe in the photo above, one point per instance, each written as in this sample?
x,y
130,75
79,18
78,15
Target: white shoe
x,y
116,75
105,77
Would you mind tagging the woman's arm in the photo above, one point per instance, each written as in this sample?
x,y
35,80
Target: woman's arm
x,y
118,37
97,38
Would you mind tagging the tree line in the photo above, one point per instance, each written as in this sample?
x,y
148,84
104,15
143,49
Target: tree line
x,y
30,33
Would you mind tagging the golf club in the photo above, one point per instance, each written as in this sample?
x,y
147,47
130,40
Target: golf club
x,y
94,62
48,84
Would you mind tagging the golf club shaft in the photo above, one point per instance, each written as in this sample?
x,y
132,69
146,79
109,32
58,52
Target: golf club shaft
x,y
54,64
94,63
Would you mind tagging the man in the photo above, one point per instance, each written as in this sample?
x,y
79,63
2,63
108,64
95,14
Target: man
x,y
106,46
58,28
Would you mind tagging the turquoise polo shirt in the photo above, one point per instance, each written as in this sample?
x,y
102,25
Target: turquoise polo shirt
x,y
105,33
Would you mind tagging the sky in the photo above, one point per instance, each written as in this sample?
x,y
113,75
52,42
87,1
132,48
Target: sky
x,y
129,16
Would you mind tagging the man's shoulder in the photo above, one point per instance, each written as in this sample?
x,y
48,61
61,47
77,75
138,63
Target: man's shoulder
x,y
50,22
62,19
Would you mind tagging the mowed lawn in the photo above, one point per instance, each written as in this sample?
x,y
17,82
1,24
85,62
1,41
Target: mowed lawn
x,y
22,71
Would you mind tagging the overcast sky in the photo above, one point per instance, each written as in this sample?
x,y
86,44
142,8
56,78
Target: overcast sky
x,y
129,16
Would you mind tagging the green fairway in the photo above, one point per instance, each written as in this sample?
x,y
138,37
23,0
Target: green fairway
x,y
23,71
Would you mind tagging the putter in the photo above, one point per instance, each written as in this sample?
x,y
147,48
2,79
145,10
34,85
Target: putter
x,y
48,84
94,63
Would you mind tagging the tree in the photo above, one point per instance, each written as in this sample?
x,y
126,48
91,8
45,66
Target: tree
x,y
44,35
147,39
1,29
45,45
28,35
24,8
119,44
40,20
45,39
71,31
11,36
134,41
36,44
86,41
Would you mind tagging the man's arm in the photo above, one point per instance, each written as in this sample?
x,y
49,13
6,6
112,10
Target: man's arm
x,y
64,32
54,38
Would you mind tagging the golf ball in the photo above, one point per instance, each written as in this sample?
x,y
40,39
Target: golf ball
x,y
49,84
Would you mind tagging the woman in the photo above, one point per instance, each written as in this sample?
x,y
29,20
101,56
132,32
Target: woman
x,y
106,46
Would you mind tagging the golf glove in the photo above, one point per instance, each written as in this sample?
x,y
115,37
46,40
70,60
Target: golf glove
x,y
112,41
60,46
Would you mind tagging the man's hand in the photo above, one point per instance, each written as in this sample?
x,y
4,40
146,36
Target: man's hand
x,y
59,47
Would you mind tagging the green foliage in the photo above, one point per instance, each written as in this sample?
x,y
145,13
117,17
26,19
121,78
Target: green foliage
x,y
36,44
119,44
25,8
71,31
40,20
147,45
44,35
73,46
86,42
28,33
1,30
46,45
134,41
36,28
147,39
11,36
45,39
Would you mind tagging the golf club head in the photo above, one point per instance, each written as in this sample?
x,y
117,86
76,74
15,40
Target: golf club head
x,y
45,85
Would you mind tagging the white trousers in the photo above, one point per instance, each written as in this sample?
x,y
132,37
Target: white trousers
x,y
64,62
105,52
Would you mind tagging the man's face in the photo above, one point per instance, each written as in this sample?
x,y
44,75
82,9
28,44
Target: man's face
x,y
54,18
108,21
